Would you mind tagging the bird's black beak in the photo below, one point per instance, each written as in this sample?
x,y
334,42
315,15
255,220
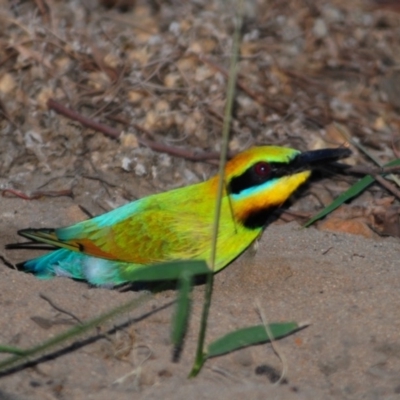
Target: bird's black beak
x,y
317,158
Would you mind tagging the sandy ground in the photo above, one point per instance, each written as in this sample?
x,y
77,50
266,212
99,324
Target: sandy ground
x,y
345,286
156,77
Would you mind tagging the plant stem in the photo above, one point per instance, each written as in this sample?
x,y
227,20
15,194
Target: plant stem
x,y
200,355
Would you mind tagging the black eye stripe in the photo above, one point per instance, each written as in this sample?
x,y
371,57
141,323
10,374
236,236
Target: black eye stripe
x,y
252,176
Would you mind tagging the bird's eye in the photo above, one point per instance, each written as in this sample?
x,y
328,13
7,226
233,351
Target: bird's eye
x,y
262,169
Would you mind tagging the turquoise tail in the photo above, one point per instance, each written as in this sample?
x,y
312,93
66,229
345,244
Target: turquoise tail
x,y
61,262
75,265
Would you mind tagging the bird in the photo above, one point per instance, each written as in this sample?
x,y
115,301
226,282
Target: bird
x,y
178,224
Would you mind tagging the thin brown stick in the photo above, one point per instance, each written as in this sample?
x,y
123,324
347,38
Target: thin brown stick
x,y
387,185
115,134
37,194
58,308
176,151
85,121
366,170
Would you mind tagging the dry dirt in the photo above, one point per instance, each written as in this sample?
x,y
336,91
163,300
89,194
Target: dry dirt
x,y
345,286
156,76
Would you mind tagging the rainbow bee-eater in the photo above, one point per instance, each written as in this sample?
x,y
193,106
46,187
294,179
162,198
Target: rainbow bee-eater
x,y
177,224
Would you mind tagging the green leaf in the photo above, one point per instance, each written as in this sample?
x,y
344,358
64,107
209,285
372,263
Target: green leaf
x,y
249,336
354,191
182,313
166,271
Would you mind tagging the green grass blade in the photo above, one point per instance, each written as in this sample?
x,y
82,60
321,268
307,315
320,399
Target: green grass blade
x,y
354,191
182,313
12,350
167,271
393,163
248,337
199,358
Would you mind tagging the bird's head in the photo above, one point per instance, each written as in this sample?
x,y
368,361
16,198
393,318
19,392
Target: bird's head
x,y
262,178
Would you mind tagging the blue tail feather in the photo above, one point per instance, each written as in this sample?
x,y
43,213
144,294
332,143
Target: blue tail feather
x,y
60,262
72,264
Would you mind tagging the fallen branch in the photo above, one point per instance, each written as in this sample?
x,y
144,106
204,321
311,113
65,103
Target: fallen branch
x,y
37,194
115,134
